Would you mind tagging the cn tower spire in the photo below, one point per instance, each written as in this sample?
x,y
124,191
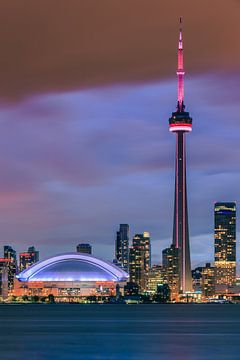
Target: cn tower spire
x,y
180,123
180,71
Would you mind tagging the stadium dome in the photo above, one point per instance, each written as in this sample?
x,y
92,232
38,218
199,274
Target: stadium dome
x,y
73,267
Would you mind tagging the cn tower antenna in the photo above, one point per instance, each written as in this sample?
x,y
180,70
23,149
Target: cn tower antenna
x,y
180,71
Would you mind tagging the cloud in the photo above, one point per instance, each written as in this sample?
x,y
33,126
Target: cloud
x,y
75,165
55,45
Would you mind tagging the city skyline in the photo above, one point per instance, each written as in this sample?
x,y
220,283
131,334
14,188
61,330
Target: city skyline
x,y
78,161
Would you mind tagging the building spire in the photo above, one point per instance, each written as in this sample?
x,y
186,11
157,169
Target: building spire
x,y
180,71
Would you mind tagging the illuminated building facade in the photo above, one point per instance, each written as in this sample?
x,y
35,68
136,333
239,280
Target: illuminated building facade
x,y
140,259
197,278
163,293
3,280
122,247
70,276
170,261
10,259
84,249
131,289
180,123
27,259
157,275
208,281
9,253
225,242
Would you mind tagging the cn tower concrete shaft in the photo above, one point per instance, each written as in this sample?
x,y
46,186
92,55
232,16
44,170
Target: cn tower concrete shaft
x,y
180,228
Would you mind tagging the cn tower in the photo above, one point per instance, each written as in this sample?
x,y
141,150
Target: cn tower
x,y
180,123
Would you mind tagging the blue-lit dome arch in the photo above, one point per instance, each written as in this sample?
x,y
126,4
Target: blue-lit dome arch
x,y
73,267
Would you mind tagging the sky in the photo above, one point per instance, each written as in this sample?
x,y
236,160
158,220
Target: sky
x,y
86,90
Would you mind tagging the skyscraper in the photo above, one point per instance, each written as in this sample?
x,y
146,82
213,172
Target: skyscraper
x,y
225,242
10,259
28,258
170,261
180,123
140,259
84,248
3,280
9,253
122,246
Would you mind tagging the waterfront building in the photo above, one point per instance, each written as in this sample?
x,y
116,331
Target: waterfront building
x,y
122,247
180,124
208,281
140,259
157,275
27,259
163,293
10,260
70,276
9,253
3,280
84,249
197,278
136,266
170,261
225,243
131,289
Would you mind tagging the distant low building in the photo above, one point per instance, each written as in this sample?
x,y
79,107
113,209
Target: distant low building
x,y
131,289
197,278
84,248
163,293
208,281
27,259
156,276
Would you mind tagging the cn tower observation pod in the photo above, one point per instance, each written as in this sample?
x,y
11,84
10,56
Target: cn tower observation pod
x,y
73,267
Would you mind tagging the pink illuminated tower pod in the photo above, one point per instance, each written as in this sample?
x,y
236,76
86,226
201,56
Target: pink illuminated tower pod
x,y
181,123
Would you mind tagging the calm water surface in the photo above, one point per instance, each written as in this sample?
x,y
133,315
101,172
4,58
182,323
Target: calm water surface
x,y
131,332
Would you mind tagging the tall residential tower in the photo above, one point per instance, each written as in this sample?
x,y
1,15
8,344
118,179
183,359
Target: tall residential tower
x,y
140,259
122,246
225,242
180,123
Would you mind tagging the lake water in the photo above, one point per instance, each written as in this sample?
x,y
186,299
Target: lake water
x,y
131,332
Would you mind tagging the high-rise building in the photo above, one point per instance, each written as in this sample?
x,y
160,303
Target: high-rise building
x,y
225,242
180,123
170,261
9,253
84,248
208,281
3,280
140,259
27,259
10,261
122,247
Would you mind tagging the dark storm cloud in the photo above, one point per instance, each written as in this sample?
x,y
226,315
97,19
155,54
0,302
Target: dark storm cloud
x,y
59,45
